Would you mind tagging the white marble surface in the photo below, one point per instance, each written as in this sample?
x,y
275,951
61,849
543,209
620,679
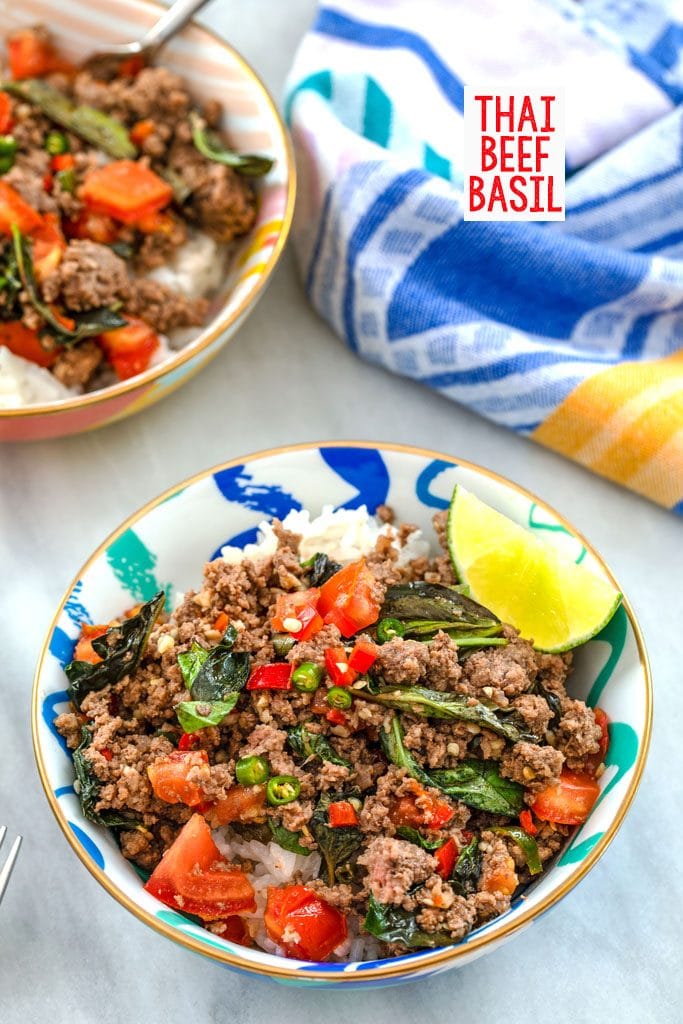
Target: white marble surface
x,y
68,952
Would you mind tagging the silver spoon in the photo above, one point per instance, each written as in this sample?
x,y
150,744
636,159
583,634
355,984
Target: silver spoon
x,y
170,22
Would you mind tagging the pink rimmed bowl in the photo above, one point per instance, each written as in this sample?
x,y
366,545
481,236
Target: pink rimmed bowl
x,y
212,68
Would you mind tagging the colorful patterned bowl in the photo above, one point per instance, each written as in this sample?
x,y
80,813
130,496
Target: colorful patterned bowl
x,y
225,504
212,69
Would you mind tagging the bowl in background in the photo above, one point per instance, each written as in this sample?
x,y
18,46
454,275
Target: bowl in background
x,y
212,69
224,505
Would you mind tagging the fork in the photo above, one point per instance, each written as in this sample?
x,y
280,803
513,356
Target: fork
x,y
170,22
6,870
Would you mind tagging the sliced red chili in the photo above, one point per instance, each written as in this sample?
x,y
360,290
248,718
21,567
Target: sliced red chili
x,y
338,668
342,813
271,677
363,655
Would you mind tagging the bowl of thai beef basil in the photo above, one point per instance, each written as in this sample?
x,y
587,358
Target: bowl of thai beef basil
x,y
142,210
303,747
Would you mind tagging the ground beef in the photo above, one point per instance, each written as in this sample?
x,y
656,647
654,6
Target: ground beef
x,y
27,176
443,669
314,649
578,734
498,873
75,366
341,896
440,523
532,766
161,308
393,868
455,922
535,711
402,662
553,670
89,276
499,673
160,247
222,202
69,726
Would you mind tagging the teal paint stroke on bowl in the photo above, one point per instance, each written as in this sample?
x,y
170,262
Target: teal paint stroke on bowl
x,y
613,634
133,564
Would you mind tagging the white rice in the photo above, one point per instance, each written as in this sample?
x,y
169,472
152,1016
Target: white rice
x,y
24,383
344,535
197,267
274,866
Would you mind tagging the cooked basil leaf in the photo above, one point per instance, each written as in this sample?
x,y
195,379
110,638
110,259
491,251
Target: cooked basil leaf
x,y
321,567
286,839
393,924
310,745
337,846
94,126
412,835
88,786
222,672
391,738
191,661
444,606
210,145
194,715
120,648
418,700
479,784
467,869
526,843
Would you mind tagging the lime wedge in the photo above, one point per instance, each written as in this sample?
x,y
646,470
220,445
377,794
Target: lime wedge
x,y
523,579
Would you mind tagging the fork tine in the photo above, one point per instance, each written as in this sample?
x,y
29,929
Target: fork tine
x,y
6,870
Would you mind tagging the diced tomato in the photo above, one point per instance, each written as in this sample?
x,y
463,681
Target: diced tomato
x,y
62,162
298,608
6,121
234,930
169,777
446,857
570,801
106,753
131,66
527,822
319,927
271,677
194,877
336,717
24,342
241,803
32,55
130,348
342,813
157,223
421,810
84,648
221,623
48,246
15,210
125,190
337,667
188,741
347,599
363,656
94,226
141,130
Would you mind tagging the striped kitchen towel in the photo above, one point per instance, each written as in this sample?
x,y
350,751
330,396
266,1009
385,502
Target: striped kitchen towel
x,y
570,333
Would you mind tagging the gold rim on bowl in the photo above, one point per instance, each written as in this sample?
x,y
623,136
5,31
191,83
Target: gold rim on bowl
x,y
392,969
223,321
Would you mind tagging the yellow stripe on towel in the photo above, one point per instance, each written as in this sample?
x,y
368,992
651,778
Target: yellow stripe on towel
x,y
627,424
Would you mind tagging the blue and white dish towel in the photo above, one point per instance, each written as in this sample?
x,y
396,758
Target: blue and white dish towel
x,y
570,332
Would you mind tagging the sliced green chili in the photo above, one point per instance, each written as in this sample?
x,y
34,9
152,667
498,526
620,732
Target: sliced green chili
x,y
56,143
307,677
387,629
252,770
282,789
339,698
